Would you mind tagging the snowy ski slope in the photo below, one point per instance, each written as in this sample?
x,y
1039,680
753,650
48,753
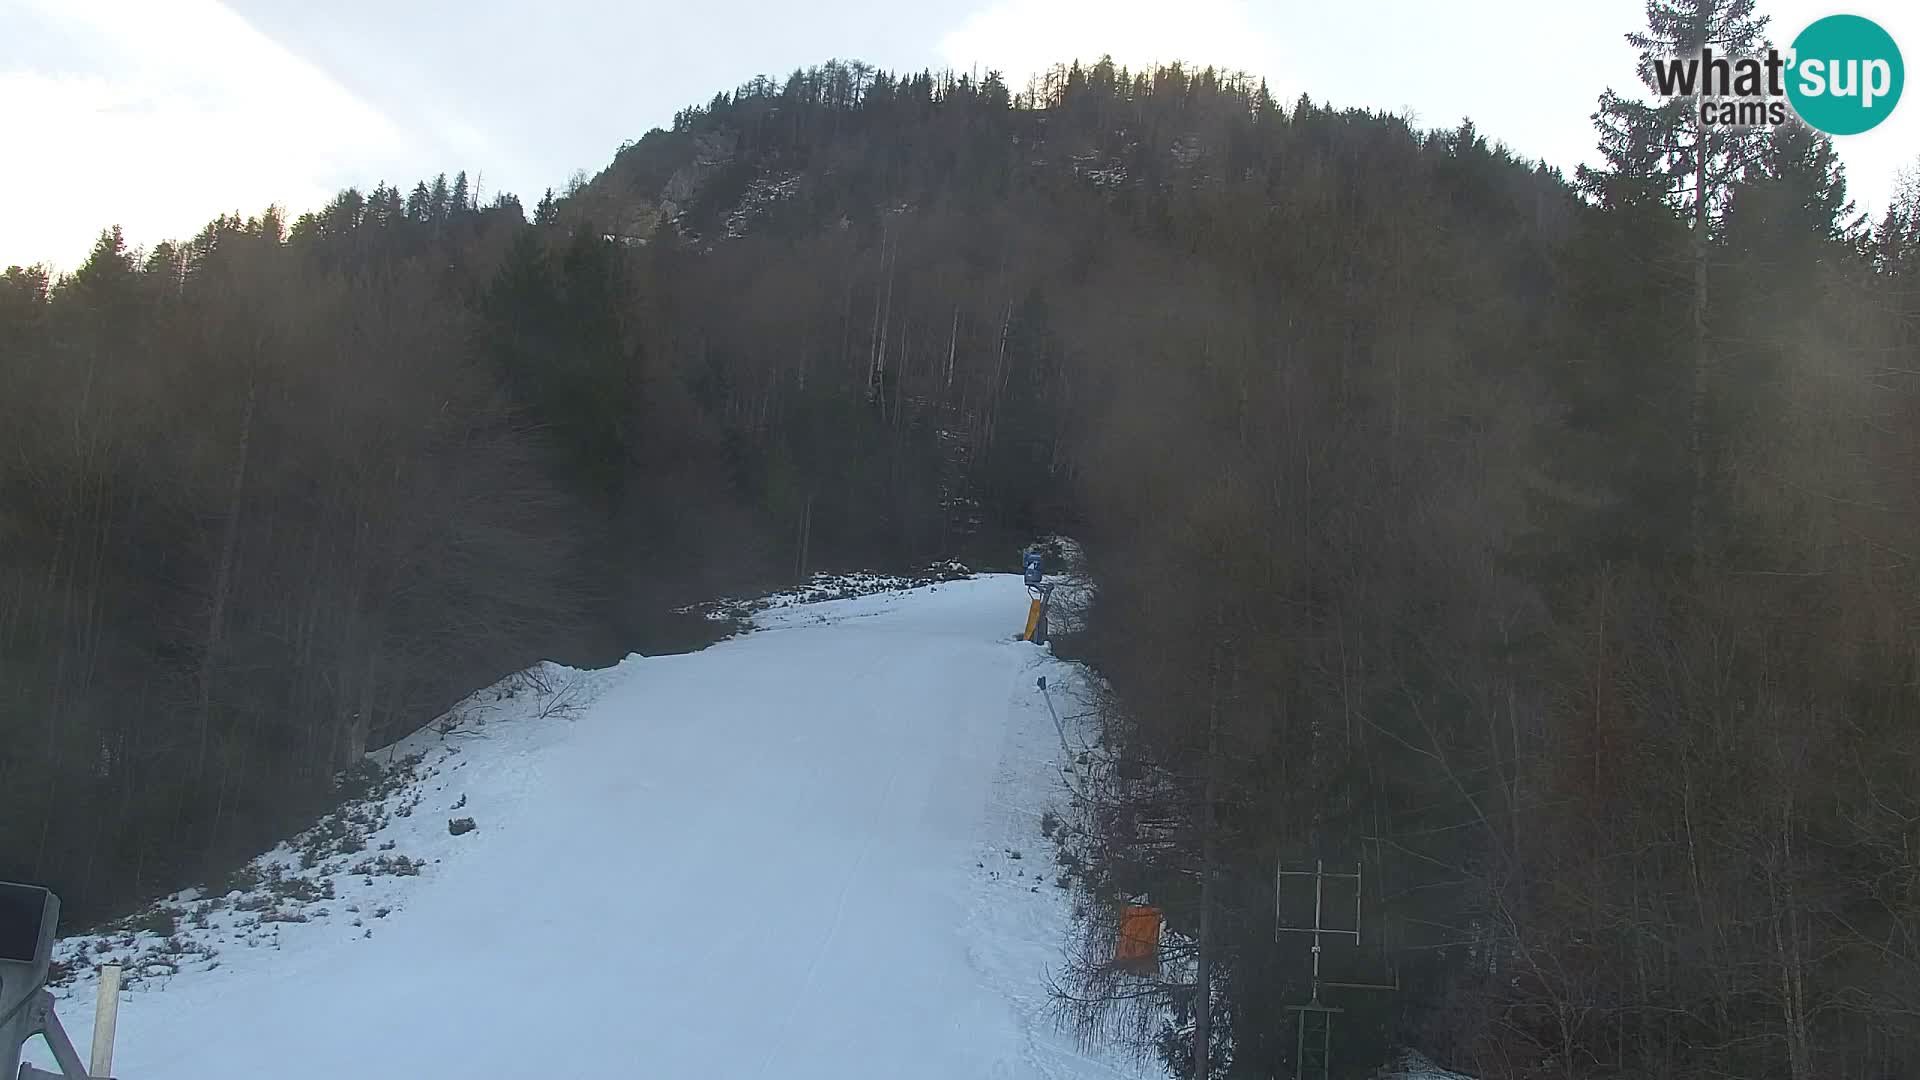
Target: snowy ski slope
x,y
811,851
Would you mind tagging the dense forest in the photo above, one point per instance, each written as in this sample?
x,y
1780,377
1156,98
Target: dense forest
x,y
1540,549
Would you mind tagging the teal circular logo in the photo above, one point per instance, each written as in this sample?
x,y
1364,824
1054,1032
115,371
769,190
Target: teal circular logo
x,y
1846,75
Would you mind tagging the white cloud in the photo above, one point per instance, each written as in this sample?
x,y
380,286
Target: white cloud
x,y
160,115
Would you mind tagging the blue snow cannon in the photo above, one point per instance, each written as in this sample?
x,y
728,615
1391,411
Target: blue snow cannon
x,y
1032,564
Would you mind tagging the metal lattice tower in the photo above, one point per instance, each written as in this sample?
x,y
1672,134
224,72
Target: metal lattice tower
x,y
1313,1038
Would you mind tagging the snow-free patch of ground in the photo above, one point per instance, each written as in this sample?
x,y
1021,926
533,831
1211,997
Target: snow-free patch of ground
x,y
810,851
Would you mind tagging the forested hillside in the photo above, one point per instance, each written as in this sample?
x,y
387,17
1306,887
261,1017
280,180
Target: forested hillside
x,y
1543,549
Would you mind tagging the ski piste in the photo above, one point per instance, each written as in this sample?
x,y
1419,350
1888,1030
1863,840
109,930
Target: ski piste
x,y
809,851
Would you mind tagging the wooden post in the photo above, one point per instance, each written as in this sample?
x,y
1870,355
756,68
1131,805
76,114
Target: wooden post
x,y
105,1014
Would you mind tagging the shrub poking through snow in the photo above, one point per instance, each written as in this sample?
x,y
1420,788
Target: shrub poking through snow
x,y
390,865
298,881
823,587
288,885
159,922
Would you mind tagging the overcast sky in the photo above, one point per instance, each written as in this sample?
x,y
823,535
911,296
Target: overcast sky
x,y
160,114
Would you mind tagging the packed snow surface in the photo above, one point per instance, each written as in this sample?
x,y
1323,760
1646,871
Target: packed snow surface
x,y
809,851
